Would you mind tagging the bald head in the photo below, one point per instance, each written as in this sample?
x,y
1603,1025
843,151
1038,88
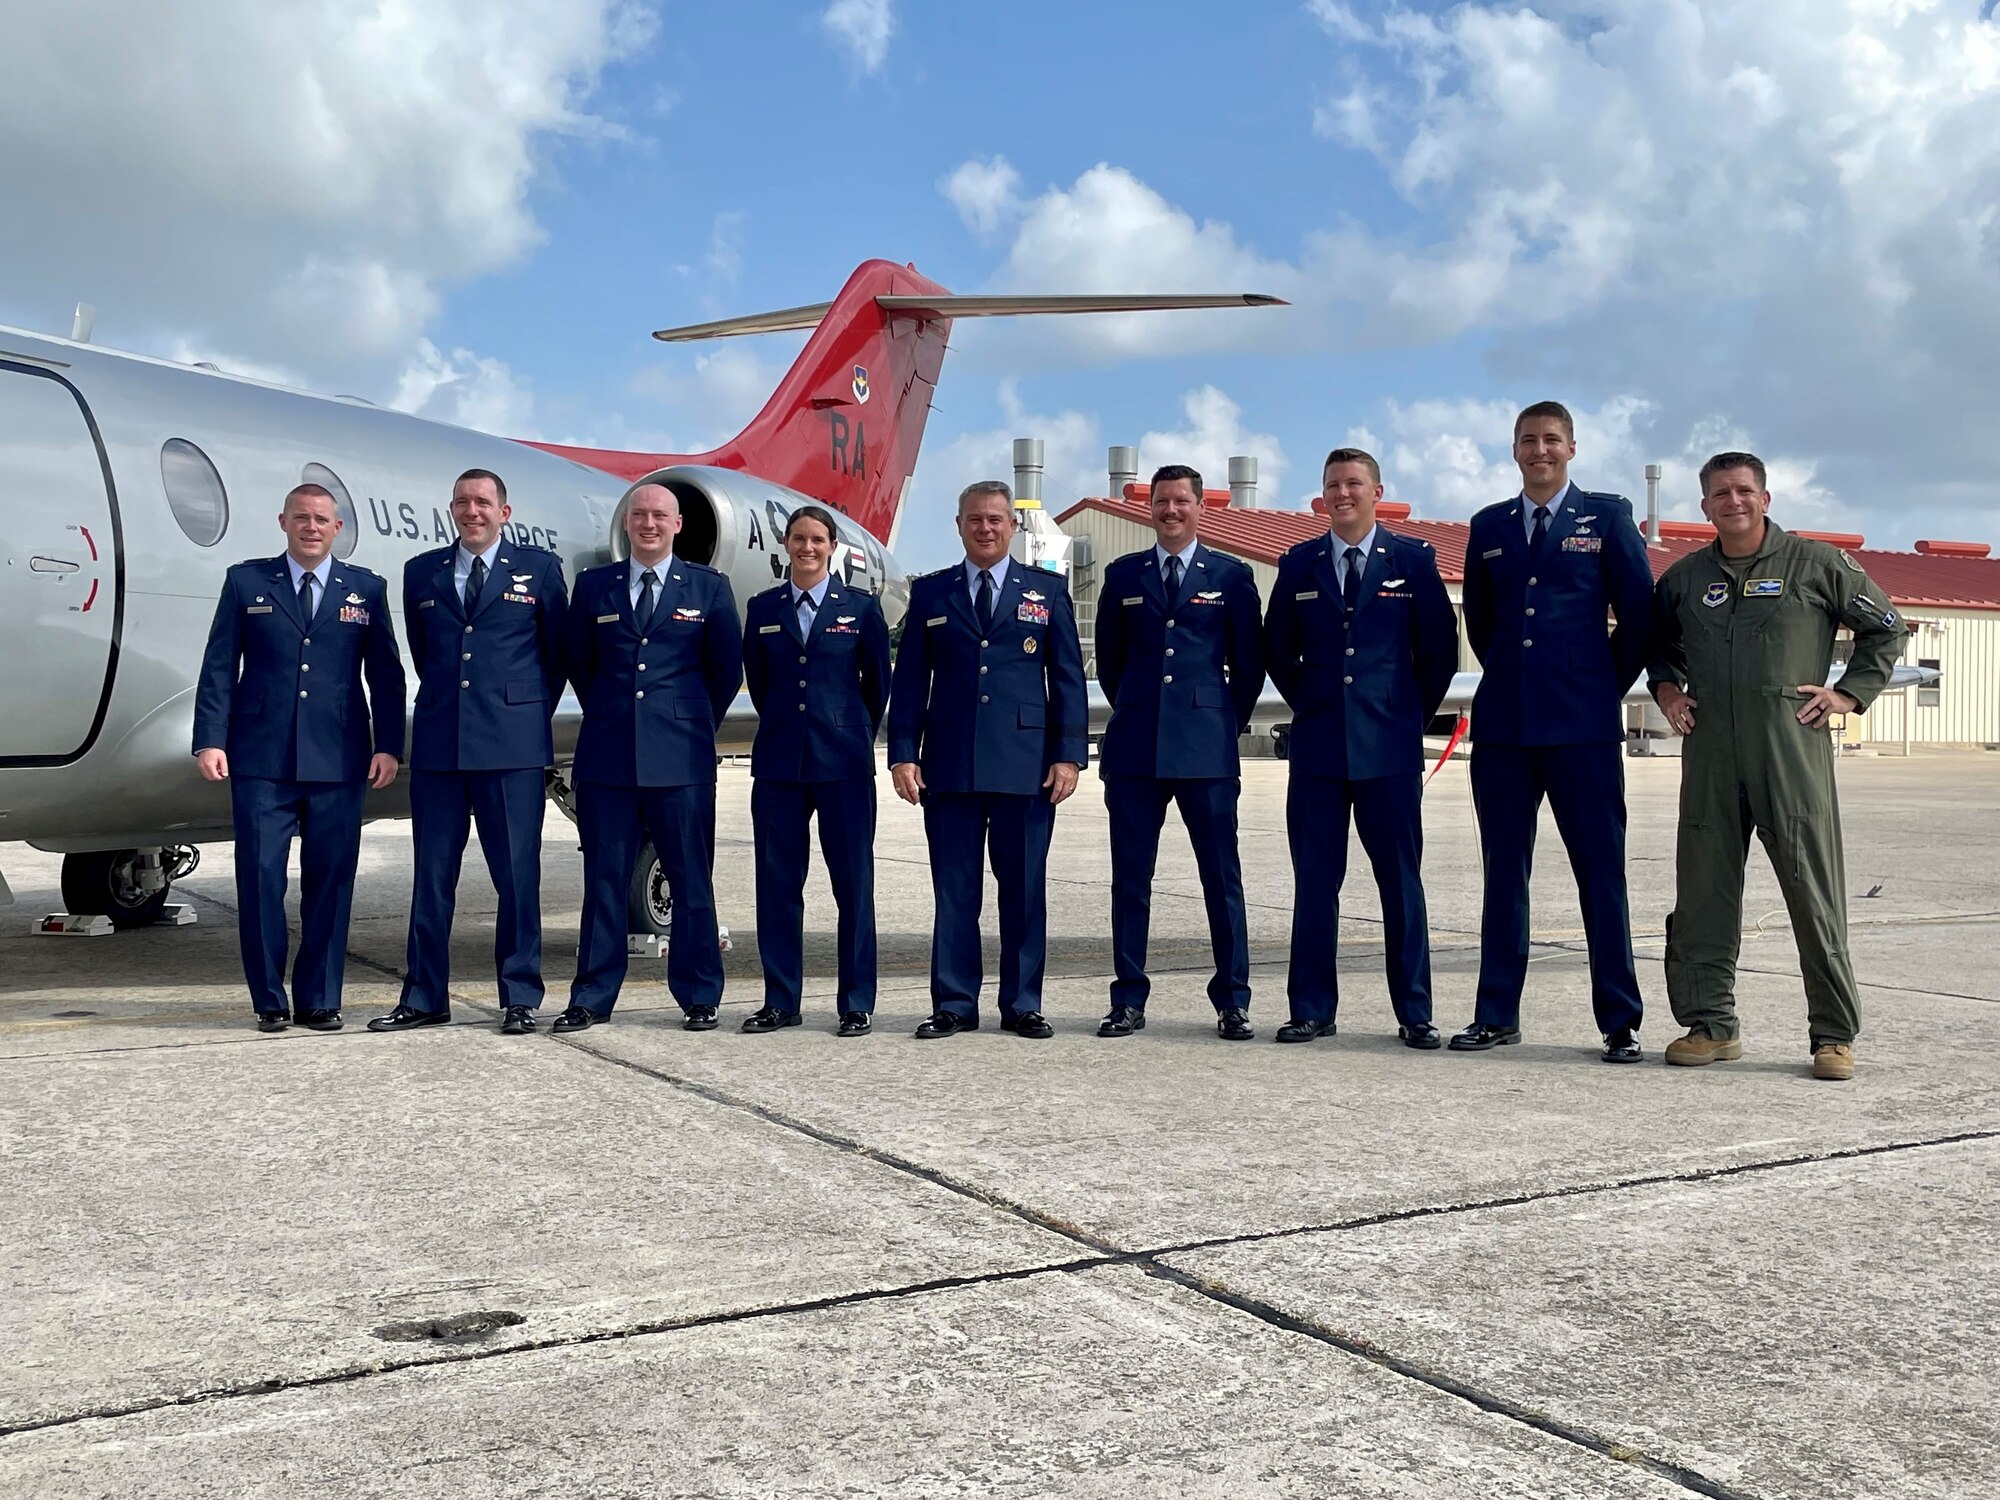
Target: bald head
x,y
652,517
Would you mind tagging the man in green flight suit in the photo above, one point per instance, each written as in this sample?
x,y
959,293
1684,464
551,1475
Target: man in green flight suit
x,y
1742,630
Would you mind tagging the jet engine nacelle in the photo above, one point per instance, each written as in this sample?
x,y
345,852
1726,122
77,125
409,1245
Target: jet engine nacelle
x,y
735,523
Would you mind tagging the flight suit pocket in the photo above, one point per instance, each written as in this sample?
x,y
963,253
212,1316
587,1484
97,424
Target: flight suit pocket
x,y
527,690
1034,716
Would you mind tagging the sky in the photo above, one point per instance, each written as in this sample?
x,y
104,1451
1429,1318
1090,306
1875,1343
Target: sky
x,y
1702,224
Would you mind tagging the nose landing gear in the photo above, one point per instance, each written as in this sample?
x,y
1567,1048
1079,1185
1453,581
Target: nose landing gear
x,y
129,886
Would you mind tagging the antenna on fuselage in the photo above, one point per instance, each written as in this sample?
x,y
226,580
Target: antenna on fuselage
x,y
81,323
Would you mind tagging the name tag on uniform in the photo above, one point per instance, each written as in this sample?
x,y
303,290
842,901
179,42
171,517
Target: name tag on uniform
x,y
607,619
769,629
427,604
1583,544
1492,552
1141,599
258,609
1308,594
1763,588
935,620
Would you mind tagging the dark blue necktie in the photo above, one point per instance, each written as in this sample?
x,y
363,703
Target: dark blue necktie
x,y
985,600
1541,531
306,597
1350,588
1173,580
474,582
648,582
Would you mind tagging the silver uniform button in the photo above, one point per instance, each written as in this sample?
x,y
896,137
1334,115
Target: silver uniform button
x,y
1168,678
465,656
984,699
982,645
802,682
305,666
1531,614
1170,624
982,670
802,661
1350,650
1348,680
1527,643
642,666
468,630
644,642
308,641
1533,581
1170,650
302,692
464,684
640,694
802,708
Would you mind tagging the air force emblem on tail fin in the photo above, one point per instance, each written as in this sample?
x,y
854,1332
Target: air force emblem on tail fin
x,y
861,384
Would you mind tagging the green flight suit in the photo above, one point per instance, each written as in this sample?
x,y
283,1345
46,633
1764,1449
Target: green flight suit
x,y
1740,639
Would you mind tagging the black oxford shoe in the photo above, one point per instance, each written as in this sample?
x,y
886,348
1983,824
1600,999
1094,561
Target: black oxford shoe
x,y
403,1018
1423,1038
274,1020
699,1018
576,1018
768,1019
1304,1031
1478,1038
518,1020
945,1023
1123,1021
1027,1023
1234,1026
1622,1046
855,1023
321,1020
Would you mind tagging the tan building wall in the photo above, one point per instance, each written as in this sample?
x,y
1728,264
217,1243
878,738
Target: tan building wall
x,y
1964,707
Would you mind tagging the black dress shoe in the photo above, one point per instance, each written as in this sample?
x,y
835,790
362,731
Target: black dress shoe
x,y
1027,1023
945,1023
1423,1038
403,1018
699,1018
1478,1038
518,1020
1622,1046
321,1020
1304,1031
1234,1026
274,1020
855,1023
576,1018
768,1019
1123,1021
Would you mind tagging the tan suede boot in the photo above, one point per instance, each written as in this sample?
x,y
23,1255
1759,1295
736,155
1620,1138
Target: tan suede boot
x,y
1833,1060
1698,1049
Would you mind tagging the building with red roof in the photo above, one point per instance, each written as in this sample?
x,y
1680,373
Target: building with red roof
x,y
1948,593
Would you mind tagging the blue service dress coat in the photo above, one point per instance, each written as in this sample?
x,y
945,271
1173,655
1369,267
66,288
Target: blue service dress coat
x,y
984,713
820,695
488,679
1551,673
653,693
1361,694
1362,690
284,696
1183,676
1548,721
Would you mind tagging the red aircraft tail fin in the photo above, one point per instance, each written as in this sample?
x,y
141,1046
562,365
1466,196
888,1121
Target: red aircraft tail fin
x,y
845,422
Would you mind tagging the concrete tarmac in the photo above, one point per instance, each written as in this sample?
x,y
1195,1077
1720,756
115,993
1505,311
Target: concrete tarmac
x,y
644,1262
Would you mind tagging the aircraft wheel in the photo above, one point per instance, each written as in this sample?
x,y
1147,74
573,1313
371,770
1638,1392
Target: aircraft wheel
x,y
105,882
651,902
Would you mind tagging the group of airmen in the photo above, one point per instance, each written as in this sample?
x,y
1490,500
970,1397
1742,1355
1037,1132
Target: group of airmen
x,y
988,722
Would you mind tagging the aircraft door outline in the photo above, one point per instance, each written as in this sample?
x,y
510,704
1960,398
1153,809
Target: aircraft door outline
x,y
62,559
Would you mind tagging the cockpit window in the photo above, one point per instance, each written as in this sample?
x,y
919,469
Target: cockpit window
x,y
194,490
343,504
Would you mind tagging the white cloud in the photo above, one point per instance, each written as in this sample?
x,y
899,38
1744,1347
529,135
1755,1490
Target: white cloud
x,y
1214,434
301,183
861,29
986,194
466,389
709,398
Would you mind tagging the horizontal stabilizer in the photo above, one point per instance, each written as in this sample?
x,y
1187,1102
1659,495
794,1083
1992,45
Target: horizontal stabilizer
x,y
946,305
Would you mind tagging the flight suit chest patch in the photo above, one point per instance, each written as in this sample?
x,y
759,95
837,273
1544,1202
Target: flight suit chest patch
x,y
1715,595
1763,588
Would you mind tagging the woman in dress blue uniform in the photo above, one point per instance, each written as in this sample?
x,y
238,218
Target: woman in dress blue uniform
x,y
816,660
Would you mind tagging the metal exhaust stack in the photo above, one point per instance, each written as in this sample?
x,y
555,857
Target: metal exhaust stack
x,y
81,323
1123,466
1027,473
1652,505
1243,483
